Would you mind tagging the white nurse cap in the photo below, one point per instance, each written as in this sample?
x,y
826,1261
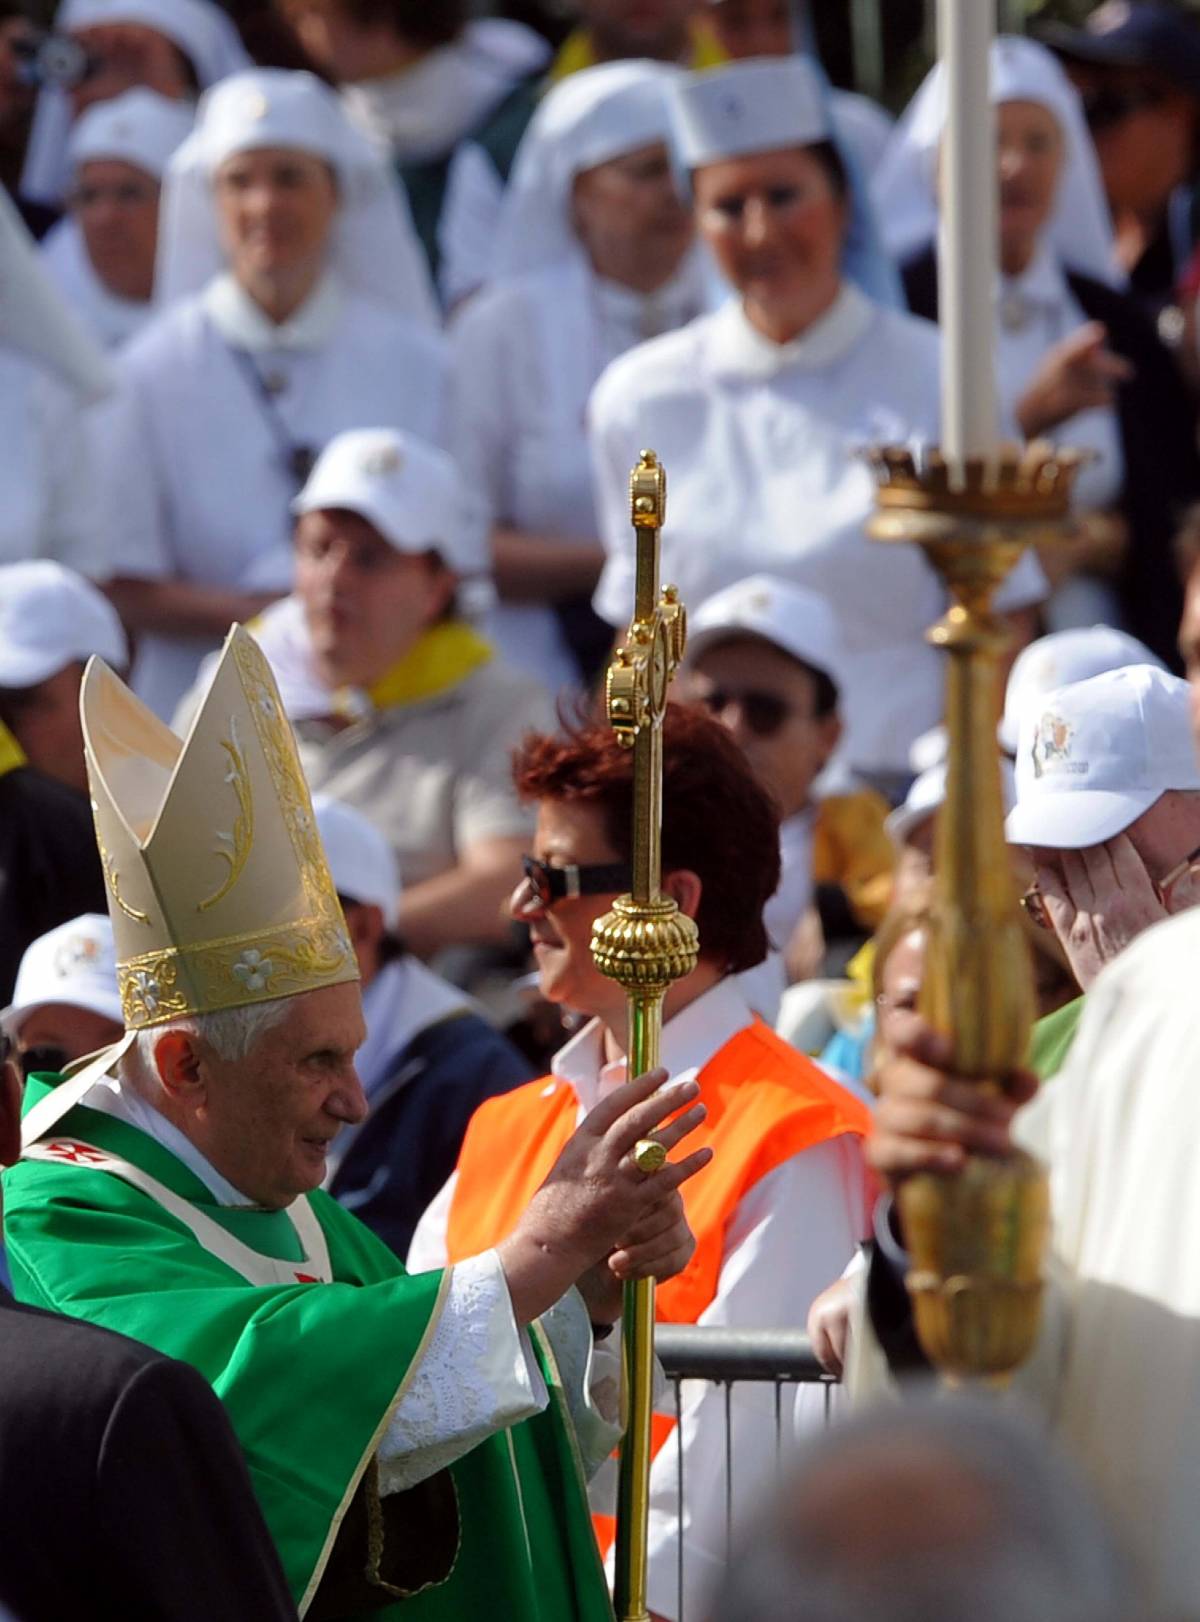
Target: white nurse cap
x,y
374,249
590,118
362,863
757,106
408,489
141,128
796,620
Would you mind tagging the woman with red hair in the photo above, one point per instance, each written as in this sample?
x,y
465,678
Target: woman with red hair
x,y
783,1203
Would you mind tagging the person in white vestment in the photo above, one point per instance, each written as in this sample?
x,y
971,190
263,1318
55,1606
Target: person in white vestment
x,y
1078,360
593,254
49,371
1118,1364
175,47
102,255
296,306
759,412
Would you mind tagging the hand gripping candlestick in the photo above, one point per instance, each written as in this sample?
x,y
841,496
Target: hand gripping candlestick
x,y
645,943
976,1239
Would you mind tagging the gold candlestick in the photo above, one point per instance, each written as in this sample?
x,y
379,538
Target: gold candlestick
x,y
645,943
976,1239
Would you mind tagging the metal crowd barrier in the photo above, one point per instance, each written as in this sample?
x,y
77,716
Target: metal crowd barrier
x,y
727,1358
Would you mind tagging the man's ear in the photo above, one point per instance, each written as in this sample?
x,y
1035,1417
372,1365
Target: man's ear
x,y
180,1067
684,888
10,1113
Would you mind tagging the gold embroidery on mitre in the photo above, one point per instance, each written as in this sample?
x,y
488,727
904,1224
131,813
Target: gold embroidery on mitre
x,y
242,837
272,926
113,879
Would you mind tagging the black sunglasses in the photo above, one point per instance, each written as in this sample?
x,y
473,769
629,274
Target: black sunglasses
x,y
765,713
1107,106
551,884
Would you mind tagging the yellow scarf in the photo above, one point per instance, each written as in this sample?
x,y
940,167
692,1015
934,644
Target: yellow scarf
x,y
444,656
576,53
11,753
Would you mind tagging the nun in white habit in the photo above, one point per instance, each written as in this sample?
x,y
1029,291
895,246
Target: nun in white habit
x,y
127,39
296,305
760,410
1078,361
50,370
593,255
101,256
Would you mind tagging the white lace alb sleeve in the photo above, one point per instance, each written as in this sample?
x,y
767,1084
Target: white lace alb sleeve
x,y
590,1372
478,1375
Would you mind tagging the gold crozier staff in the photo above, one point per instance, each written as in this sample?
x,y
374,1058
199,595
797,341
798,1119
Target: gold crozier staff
x,y
645,943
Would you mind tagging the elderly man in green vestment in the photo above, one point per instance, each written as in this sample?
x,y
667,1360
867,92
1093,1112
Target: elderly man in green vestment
x,y
419,1444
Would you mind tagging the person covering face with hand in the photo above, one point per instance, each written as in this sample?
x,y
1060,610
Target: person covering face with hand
x,y
1116,1127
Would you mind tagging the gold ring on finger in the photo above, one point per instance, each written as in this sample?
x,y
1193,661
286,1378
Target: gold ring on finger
x,y
649,1155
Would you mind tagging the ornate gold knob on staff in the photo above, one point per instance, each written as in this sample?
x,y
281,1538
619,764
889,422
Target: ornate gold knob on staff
x,y
645,943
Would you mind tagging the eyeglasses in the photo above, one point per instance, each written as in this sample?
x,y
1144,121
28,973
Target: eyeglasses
x,y
1034,902
1107,106
551,884
764,713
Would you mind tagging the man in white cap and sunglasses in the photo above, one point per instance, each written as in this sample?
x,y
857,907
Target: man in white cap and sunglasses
x,y
764,658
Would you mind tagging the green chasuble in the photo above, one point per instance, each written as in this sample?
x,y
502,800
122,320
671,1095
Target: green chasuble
x,y
1052,1039
309,1373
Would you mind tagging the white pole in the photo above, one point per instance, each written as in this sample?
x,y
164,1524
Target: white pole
x,y
968,245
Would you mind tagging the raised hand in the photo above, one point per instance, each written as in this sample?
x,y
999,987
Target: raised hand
x,y
596,1208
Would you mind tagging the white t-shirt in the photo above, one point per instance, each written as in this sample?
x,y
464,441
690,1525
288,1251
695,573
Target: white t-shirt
x,y
198,475
762,449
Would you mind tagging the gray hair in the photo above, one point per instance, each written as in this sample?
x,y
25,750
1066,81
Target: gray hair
x,y
1039,1550
232,1033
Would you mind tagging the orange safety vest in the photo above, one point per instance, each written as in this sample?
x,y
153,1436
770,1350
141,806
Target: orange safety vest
x,y
766,1102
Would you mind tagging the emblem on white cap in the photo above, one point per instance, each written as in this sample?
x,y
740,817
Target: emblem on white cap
x,y
1052,746
381,460
256,106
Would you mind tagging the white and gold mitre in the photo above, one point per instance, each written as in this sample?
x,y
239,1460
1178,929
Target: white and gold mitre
x,y
218,888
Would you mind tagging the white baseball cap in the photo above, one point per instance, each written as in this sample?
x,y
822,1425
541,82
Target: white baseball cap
x,y
76,964
49,617
1092,757
798,621
362,863
407,488
927,794
1060,659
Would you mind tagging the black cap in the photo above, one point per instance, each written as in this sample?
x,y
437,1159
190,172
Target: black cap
x,y
1146,34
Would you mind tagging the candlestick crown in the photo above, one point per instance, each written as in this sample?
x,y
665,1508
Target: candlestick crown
x,y
1027,484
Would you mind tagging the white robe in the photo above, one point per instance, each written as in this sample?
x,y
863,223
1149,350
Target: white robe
x,y
761,444
46,472
790,1235
110,320
1120,1128
198,480
526,354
